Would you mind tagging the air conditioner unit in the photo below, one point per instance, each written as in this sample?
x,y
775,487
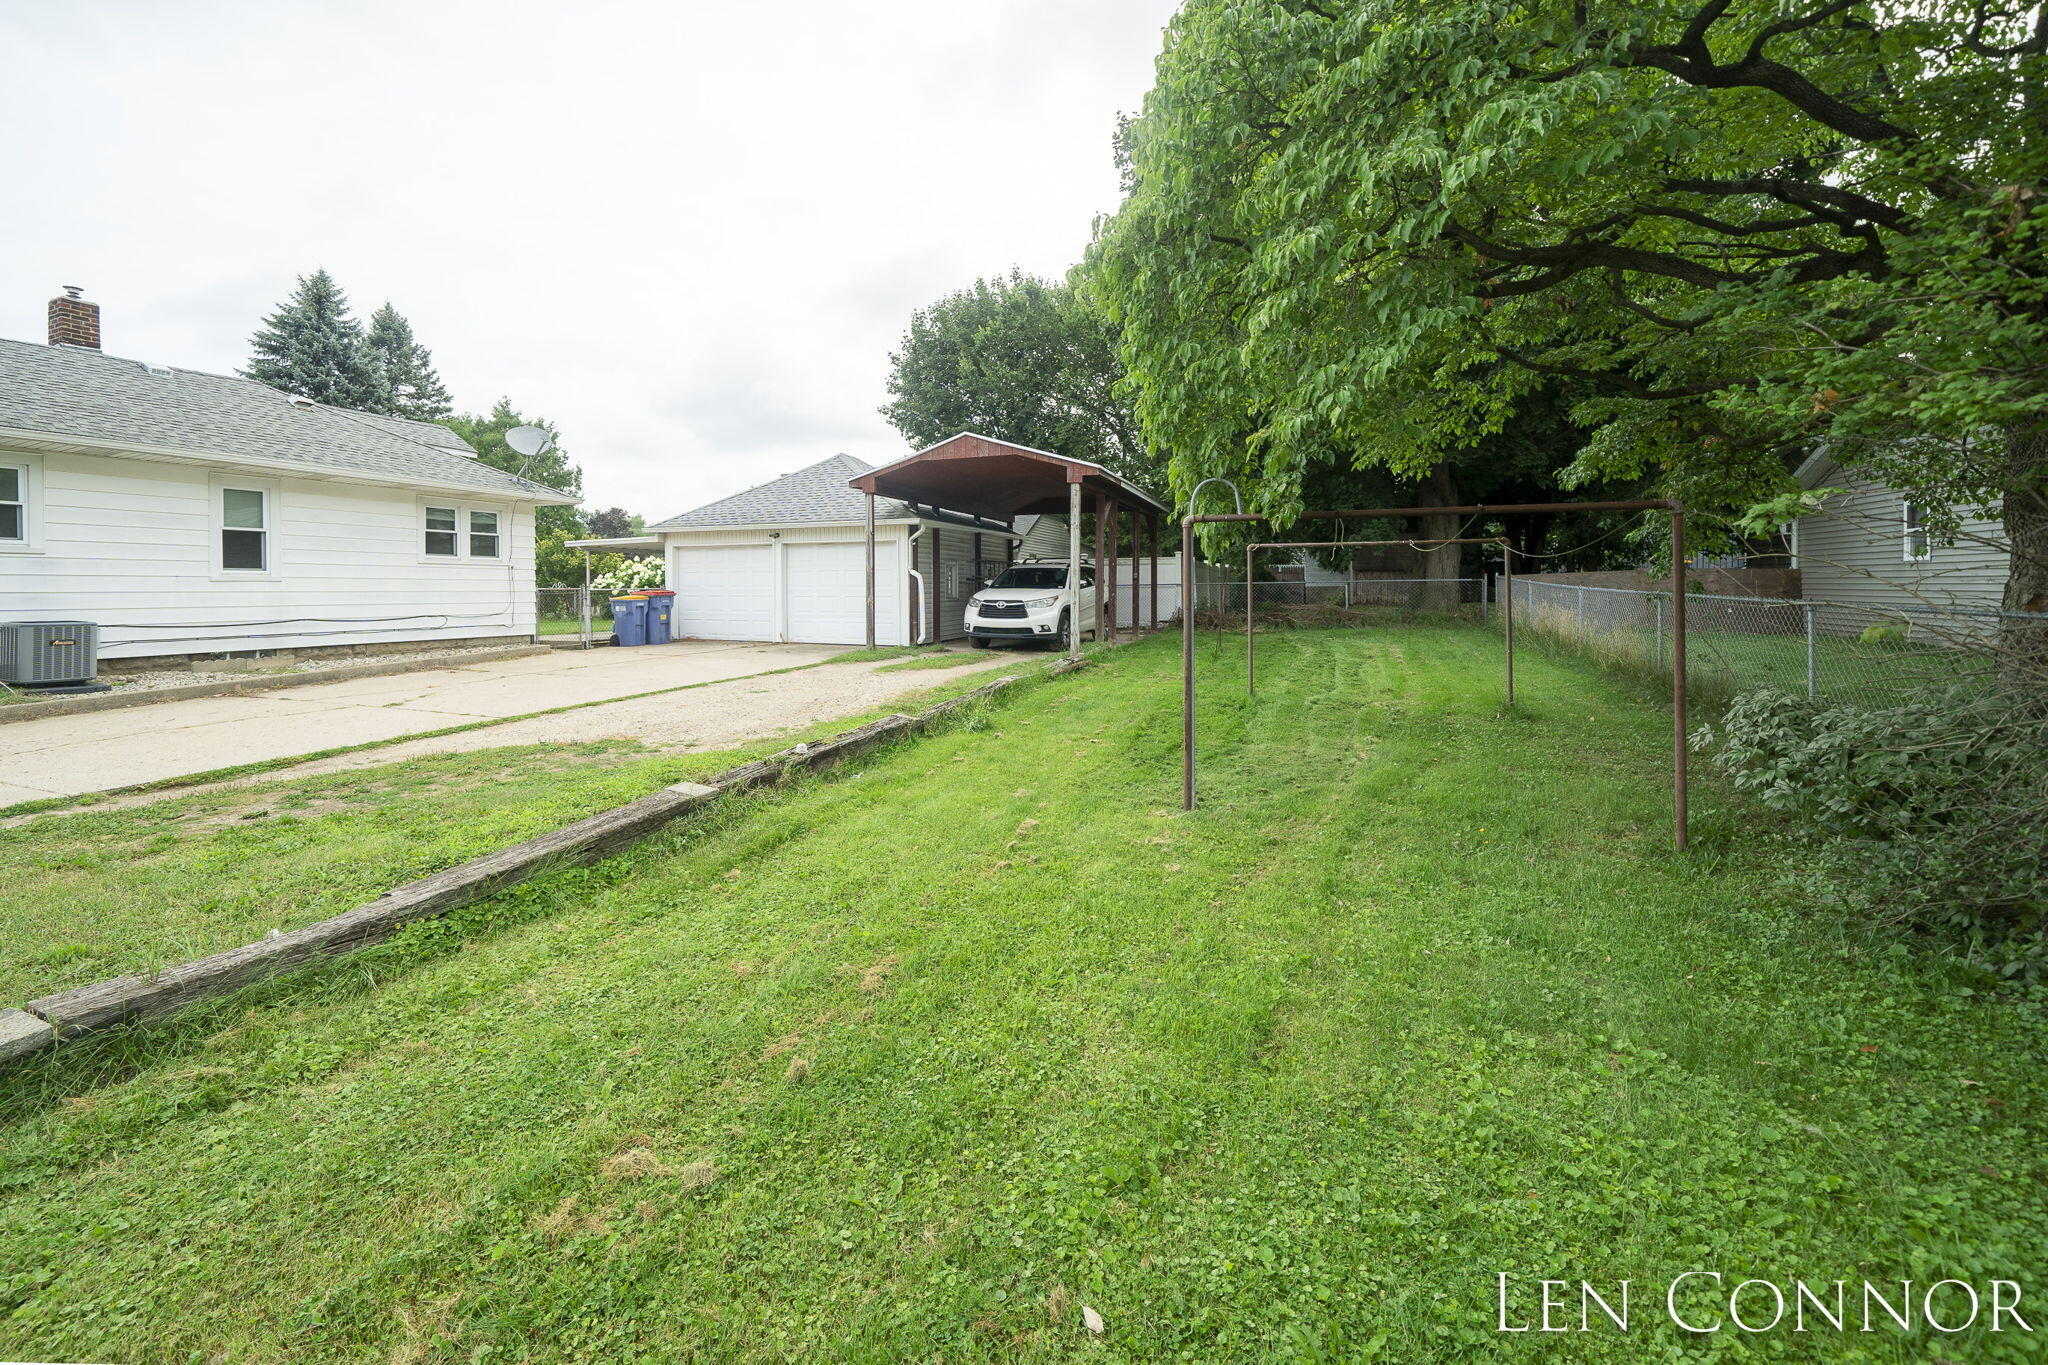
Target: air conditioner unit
x,y
33,652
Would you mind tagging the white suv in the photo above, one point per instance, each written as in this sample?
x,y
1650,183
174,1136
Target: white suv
x,y
1029,602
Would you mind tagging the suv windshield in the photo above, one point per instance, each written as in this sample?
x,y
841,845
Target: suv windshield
x,y
1031,576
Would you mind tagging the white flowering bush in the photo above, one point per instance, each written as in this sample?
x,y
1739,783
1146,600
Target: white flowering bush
x,y
634,575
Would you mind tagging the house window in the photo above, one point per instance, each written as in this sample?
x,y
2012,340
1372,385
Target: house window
x,y
441,531
244,529
13,502
483,535
1913,521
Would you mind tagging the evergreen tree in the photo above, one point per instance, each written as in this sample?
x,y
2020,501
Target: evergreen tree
x,y
412,388
311,346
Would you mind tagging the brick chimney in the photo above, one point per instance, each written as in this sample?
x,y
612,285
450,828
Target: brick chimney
x,y
73,321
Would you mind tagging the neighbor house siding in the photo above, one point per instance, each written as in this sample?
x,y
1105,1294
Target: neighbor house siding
x,y
133,545
949,564
1855,553
1045,538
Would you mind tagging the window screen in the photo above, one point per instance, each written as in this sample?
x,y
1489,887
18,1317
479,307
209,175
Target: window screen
x,y
245,529
13,504
441,531
483,535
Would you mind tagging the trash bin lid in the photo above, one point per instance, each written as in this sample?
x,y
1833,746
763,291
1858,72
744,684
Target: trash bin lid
x,y
631,597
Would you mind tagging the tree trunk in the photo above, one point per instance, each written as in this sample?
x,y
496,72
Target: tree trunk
x,y
1439,589
2025,643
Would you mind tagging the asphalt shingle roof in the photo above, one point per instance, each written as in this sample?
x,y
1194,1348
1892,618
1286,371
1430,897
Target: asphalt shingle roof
x,y
70,391
814,495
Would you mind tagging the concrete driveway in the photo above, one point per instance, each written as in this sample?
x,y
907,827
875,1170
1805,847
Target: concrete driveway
x,y
71,755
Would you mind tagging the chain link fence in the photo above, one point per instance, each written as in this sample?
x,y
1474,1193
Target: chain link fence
x,y
560,613
1830,651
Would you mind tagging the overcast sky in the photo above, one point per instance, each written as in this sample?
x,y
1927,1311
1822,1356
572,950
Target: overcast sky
x,y
688,232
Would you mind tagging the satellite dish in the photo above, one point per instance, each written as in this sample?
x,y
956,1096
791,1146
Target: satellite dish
x,y
529,441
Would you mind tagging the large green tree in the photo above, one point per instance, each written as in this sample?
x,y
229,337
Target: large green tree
x,y
1021,359
314,347
411,386
554,565
1373,226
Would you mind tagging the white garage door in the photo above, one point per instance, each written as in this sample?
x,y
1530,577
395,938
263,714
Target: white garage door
x,y
724,592
827,594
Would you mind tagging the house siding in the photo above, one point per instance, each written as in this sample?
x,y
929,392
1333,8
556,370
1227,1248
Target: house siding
x,y
946,556
1856,553
131,544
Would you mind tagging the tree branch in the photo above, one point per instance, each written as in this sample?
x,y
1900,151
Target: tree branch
x,y
1818,198
1690,60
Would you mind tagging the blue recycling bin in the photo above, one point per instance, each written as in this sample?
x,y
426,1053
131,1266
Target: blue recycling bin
x,y
660,603
629,619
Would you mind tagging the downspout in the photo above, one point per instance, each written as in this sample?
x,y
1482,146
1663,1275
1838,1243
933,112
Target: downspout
x,y
924,597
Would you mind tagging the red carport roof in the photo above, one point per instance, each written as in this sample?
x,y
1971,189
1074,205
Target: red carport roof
x,y
992,478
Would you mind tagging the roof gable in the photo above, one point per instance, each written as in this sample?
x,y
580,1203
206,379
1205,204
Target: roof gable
x,y
98,399
815,494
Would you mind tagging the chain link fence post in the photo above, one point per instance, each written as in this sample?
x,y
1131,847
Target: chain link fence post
x,y
1812,656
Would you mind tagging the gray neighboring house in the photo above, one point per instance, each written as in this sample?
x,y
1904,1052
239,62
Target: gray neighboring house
x,y
194,514
787,561
1872,548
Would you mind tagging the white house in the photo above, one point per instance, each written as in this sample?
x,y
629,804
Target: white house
x,y
787,560
1871,546
204,514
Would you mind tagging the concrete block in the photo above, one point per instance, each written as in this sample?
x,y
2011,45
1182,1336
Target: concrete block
x,y
692,789
22,1033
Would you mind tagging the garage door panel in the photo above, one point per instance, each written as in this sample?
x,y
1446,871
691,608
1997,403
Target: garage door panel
x,y
826,593
725,592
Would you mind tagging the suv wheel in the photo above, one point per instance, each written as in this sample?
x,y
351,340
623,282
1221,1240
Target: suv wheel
x,y
1063,641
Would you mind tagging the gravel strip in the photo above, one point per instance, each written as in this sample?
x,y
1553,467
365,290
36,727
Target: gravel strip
x,y
154,679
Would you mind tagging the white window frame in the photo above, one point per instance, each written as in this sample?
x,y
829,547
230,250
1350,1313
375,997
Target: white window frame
x,y
1907,530
216,518
463,512
31,490
453,532
496,533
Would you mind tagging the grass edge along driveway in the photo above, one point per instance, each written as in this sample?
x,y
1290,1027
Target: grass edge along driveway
x,y
912,1062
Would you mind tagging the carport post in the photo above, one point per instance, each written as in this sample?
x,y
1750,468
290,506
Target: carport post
x,y
871,571
1152,522
1108,589
586,599
1073,564
1137,570
1101,502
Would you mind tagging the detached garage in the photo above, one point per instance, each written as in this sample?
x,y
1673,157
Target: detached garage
x,y
787,561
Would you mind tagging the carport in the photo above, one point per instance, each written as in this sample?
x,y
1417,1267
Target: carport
x,y
985,477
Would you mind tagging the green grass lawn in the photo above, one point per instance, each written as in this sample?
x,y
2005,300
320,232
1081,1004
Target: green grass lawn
x,y
911,1062
98,893
1722,662
571,625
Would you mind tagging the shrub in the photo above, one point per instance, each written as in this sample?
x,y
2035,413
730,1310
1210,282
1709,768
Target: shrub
x,y
633,575
1928,813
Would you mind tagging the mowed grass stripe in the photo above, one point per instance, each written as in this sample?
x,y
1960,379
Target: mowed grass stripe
x,y
1419,994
